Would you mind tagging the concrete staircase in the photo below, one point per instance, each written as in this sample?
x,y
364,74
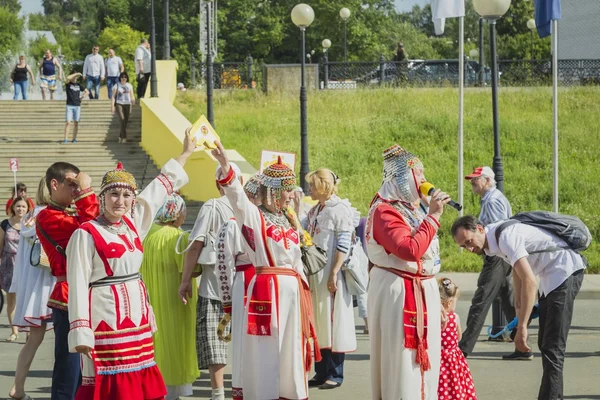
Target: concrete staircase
x,y
33,130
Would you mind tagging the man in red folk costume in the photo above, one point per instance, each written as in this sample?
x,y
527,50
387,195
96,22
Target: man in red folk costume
x,y
404,302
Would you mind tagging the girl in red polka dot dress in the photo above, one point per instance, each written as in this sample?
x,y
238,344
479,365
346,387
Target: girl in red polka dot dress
x,y
456,382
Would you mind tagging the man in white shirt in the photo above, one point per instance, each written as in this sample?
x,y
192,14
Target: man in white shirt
x,y
212,352
533,251
143,67
114,67
495,279
94,72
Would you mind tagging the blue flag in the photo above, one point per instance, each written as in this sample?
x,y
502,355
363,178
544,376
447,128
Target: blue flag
x,y
545,12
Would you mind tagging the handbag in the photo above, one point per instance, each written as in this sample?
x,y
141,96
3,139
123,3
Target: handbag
x,y
37,256
355,269
314,259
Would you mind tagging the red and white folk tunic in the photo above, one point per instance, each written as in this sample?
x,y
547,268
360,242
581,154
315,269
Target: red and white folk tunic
x,y
109,307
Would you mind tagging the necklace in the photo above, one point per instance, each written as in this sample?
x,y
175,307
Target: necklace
x,y
118,228
278,219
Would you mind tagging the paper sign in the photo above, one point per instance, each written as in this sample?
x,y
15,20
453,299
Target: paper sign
x,y
268,157
13,164
204,133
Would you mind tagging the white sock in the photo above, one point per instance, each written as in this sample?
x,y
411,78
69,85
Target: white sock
x,y
218,394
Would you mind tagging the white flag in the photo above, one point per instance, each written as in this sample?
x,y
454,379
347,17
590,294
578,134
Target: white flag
x,y
442,9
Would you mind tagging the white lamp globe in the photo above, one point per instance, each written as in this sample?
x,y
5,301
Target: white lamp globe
x,y
531,24
326,43
345,13
491,9
303,15
474,53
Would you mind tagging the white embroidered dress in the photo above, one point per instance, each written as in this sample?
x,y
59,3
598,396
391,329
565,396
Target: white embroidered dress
x,y
235,272
334,314
273,366
116,319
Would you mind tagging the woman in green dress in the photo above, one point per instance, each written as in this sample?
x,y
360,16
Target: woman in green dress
x,y
175,341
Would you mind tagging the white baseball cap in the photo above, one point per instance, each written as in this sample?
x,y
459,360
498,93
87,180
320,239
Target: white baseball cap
x,y
481,171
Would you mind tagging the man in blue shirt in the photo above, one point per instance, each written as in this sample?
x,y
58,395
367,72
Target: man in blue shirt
x,y
495,278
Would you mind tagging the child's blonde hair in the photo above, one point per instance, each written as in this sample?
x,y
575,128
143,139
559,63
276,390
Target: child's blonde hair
x,y
324,180
448,289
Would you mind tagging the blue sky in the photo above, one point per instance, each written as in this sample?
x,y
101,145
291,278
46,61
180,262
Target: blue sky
x,y
406,5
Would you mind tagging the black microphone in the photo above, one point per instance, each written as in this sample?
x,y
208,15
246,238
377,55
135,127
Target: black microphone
x,y
427,189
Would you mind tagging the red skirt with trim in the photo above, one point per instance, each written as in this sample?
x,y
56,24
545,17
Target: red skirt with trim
x,y
146,384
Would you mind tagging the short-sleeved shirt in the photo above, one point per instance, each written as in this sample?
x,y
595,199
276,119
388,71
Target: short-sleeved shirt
x,y
74,91
142,53
210,221
520,240
113,66
123,93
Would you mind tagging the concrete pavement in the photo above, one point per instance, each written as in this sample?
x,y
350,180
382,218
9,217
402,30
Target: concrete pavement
x,y
494,378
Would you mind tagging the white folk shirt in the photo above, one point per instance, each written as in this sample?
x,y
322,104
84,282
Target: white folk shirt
x,y
518,240
94,66
210,221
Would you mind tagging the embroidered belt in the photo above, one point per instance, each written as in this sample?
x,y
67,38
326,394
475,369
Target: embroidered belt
x,y
114,280
414,304
306,310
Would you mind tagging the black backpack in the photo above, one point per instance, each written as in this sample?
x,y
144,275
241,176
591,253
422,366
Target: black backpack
x,y
569,228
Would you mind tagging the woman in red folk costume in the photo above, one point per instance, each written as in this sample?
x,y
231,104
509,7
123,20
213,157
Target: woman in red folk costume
x,y
404,301
278,321
111,319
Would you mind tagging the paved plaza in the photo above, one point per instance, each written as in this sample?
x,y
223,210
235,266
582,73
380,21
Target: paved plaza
x,y
494,378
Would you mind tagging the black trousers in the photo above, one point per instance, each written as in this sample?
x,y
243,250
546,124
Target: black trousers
x,y
556,313
142,81
495,279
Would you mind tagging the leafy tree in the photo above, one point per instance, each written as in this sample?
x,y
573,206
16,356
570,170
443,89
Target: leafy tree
x,y
14,6
11,31
124,40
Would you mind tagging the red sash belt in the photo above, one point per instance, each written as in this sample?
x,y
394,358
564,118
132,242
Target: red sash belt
x,y
259,310
248,270
415,318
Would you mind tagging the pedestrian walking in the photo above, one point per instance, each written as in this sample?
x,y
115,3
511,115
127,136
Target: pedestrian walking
x,y
47,69
114,68
94,72
10,230
32,285
75,92
122,100
143,67
18,77
495,278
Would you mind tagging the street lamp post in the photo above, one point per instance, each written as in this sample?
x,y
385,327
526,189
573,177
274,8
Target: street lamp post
x,y
345,14
531,26
302,16
481,59
210,114
153,80
326,43
167,45
493,10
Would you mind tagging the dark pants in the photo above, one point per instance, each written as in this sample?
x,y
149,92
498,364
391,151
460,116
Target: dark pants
x,y
124,110
66,376
93,86
111,82
556,312
142,81
331,367
495,279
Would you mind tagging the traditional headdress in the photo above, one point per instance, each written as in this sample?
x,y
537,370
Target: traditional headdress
x,y
173,207
278,177
252,185
399,180
117,178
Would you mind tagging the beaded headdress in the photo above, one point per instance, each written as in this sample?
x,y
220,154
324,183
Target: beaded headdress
x,y
398,168
117,179
252,185
278,177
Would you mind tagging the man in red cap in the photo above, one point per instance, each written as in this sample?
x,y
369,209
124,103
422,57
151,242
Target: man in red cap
x,y
496,275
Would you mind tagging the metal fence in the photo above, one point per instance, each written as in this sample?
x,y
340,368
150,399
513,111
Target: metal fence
x,y
228,75
410,73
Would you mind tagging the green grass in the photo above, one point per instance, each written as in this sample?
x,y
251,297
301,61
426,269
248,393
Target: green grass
x,y
349,129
